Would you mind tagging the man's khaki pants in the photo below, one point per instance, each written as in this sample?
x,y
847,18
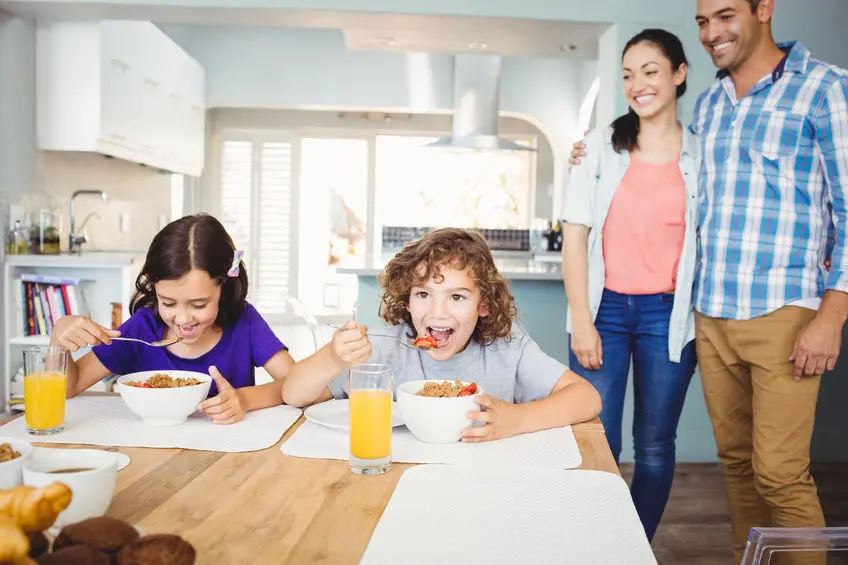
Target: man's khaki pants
x,y
763,421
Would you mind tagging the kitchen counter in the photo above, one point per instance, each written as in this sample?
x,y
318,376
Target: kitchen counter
x,y
90,259
512,267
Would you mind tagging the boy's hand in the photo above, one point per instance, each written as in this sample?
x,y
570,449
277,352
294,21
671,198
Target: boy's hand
x,y
502,419
351,345
75,332
226,407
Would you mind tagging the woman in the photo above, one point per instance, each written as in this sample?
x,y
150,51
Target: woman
x,y
629,260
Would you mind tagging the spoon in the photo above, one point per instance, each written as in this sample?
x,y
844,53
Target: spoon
x,y
403,341
160,343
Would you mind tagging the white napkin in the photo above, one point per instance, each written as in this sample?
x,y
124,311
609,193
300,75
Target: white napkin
x,y
501,516
106,420
556,448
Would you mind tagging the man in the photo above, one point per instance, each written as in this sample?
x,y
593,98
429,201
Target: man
x,y
774,128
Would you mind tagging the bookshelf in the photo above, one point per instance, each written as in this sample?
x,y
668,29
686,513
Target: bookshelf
x,y
100,279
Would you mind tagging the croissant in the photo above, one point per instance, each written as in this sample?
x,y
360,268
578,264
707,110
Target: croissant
x,y
35,509
14,544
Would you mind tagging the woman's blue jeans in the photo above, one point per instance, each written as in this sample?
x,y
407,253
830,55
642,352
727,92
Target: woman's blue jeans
x,y
636,326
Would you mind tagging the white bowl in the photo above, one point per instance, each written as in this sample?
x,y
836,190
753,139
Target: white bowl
x,y
91,489
164,406
435,420
10,471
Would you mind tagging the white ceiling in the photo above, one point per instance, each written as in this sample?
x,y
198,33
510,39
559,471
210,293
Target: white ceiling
x,y
362,31
510,37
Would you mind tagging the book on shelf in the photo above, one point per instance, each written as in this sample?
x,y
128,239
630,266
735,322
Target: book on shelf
x,y
41,300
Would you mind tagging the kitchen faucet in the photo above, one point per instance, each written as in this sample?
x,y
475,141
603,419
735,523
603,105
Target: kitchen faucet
x,y
75,240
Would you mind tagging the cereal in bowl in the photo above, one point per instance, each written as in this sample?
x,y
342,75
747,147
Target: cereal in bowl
x,y
161,380
446,389
7,452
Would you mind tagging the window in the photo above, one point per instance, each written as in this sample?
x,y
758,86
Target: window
x,y
256,208
420,186
347,188
335,198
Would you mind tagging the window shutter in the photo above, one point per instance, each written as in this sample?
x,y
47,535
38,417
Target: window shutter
x,y
273,248
256,209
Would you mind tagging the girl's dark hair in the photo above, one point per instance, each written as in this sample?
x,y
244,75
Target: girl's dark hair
x,y
192,242
625,129
448,248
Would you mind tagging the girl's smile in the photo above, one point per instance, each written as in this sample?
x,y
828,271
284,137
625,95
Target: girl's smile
x,y
189,306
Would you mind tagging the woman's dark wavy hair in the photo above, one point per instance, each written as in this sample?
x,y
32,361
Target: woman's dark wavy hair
x,y
625,129
424,258
192,242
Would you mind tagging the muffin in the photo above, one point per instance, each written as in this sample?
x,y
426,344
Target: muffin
x,y
157,549
102,533
38,544
75,555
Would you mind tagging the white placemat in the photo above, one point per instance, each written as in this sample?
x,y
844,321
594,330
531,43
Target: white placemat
x,y
106,420
556,448
461,515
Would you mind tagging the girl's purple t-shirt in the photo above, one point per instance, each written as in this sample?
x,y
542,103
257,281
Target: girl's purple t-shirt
x,y
246,343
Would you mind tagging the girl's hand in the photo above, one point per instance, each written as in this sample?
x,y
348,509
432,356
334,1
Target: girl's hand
x,y
226,407
76,332
351,345
586,345
501,419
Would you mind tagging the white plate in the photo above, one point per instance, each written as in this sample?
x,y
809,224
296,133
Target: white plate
x,y
123,459
334,414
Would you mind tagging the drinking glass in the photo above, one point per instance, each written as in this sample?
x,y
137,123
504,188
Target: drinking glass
x,y
45,381
370,405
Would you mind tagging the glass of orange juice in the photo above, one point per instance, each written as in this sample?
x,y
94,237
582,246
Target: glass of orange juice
x,y
370,405
45,380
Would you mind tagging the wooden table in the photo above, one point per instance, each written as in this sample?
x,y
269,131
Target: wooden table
x,y
266,507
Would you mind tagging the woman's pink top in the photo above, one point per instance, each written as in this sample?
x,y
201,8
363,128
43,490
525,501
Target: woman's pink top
x,y
645,228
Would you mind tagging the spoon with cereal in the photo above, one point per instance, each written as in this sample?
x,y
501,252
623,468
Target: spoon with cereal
x,y
422,343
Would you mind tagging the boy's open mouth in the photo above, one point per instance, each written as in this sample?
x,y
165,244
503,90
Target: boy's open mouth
x,y
441,335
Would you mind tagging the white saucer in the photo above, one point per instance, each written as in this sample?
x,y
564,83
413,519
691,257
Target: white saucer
x,y
123,459
334,414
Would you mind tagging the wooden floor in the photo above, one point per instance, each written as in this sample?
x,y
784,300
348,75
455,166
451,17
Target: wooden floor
x,y
696,526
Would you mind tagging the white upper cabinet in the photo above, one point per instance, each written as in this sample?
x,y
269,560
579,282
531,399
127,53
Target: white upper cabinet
x,y
121,88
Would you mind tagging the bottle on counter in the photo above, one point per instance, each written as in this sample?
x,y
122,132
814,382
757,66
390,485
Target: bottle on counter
x,y
18,242
550,235
45,239
558,240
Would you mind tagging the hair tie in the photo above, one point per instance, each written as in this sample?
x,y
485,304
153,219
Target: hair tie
x,y
234,270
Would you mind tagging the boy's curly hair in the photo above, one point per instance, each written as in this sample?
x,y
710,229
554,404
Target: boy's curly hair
x,y
423,259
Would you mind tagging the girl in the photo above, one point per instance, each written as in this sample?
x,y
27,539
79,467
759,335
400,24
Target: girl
x,y
192,286
446,285
629,263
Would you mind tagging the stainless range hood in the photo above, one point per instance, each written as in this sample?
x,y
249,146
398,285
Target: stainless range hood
x,y
476,106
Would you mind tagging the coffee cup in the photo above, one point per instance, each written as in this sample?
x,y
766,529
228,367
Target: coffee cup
x,y
89,473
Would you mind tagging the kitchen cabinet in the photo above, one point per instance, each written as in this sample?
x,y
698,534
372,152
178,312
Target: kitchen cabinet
x,y
120,88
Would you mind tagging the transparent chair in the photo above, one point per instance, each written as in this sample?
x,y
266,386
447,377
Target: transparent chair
x,y
801,545
296,326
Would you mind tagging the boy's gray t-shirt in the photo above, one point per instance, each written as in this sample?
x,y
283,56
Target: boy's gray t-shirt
x,y
514,370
